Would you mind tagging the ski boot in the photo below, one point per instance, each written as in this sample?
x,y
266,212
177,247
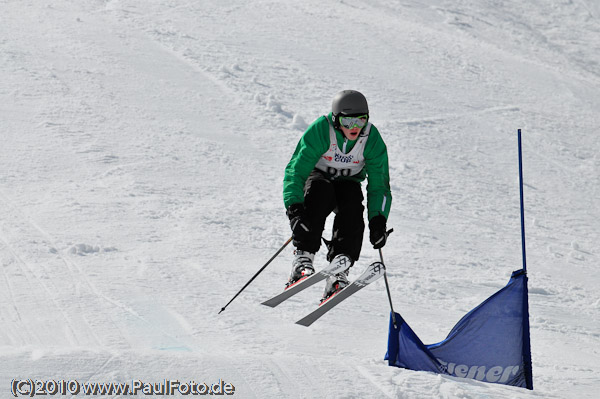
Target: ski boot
x,y
337,282
302,266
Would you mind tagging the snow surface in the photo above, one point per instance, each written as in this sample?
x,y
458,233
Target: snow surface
x,y
141,160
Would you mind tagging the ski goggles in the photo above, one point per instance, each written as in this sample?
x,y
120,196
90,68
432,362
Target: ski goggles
x,y
350,122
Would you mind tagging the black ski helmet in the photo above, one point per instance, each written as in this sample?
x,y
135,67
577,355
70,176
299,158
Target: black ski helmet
x,y
348,103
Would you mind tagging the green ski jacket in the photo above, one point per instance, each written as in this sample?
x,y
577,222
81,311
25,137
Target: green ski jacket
x,y
315,142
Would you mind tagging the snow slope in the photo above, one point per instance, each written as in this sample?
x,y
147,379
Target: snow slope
x,y
142,148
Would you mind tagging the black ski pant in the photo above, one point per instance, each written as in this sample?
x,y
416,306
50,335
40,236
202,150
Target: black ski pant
x,y
322,196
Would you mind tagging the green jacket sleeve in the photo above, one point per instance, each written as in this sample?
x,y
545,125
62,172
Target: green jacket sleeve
x,y
379,195
313,144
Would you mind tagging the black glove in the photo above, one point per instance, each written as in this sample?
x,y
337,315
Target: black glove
x,y
377,233
299,225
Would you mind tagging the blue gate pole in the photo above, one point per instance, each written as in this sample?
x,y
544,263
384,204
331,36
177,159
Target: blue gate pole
x,y
522,206
526,336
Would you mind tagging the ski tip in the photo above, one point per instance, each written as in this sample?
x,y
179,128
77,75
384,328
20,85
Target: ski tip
x,y
377,266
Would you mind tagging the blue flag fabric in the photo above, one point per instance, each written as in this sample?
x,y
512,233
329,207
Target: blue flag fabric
x,y
490,343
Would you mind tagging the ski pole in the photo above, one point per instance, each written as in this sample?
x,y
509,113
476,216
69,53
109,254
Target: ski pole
x,y
257,273
387,285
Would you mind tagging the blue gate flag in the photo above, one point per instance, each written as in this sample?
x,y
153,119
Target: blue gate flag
x,y
490,343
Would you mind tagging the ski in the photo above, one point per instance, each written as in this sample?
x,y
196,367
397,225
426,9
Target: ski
x,y
337,265
373,272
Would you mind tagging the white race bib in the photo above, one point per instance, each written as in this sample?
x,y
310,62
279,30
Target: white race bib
x,y
336,163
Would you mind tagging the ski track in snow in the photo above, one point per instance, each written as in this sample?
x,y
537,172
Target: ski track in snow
x,y
142,153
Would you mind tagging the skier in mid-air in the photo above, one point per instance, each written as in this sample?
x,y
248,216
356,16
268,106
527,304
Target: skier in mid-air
x,y
335,154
